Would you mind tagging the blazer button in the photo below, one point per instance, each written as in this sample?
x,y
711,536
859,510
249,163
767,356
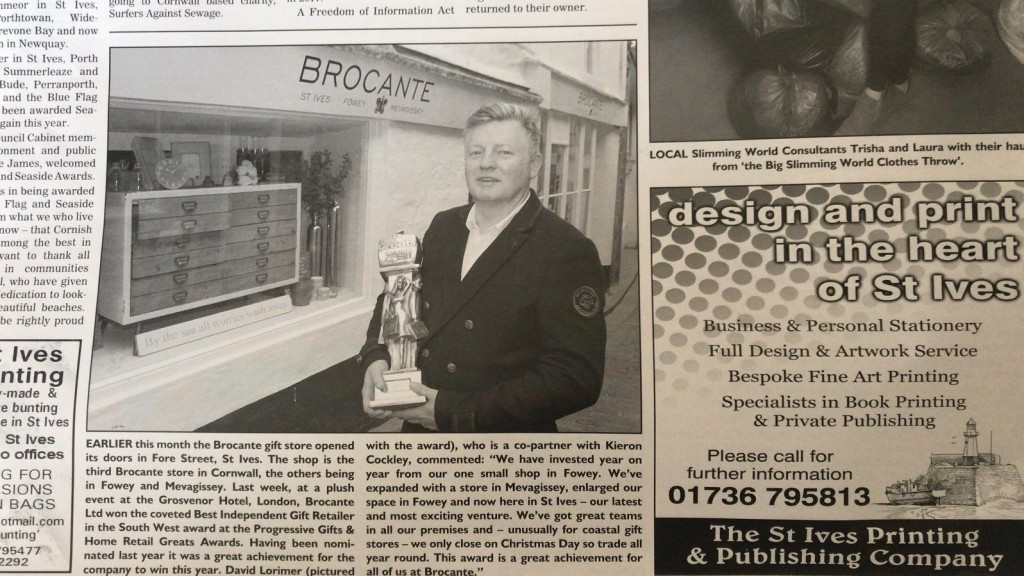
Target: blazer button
x,y
359,359
425,353
451,367
469,324
426,305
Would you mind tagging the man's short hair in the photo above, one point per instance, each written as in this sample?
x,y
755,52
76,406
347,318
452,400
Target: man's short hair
x,y
499,111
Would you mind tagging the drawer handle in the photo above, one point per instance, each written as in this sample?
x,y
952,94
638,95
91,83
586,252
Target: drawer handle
x,y
182,241
180,297
261,278
180,277
263,214
263,198
189,205
261,262
189,224
263,230
181,260
262,246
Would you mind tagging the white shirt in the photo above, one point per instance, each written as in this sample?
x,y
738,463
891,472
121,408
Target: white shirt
x,y
479,240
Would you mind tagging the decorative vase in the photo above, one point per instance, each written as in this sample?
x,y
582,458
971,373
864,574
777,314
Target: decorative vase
x,y
314,242
331,256
302,292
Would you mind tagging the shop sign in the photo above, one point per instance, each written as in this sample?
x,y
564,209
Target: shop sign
x,y
314,79
583,102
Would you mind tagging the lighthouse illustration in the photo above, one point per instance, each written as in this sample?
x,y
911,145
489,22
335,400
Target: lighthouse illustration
x,y
970,478
970,457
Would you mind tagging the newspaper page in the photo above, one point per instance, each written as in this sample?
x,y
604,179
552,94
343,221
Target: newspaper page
x,y
412,289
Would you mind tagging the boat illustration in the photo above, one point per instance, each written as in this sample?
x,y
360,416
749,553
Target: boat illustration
x,y
917,491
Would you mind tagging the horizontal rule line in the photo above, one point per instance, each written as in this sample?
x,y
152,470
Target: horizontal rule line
x,y
369,29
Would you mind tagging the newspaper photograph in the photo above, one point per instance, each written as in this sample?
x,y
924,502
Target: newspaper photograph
x,y
498,287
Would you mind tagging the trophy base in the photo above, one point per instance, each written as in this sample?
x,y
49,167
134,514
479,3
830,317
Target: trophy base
x,y
399,395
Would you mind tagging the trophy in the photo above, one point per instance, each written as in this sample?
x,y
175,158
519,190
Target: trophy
x,y
400,324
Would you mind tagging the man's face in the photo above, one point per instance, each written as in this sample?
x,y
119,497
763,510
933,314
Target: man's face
x,y
499,162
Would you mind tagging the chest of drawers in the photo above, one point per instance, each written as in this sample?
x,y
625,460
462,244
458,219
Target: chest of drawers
x,y
166,251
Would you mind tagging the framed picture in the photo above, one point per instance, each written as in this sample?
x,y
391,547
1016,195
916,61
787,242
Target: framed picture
x,y
195,157
148,152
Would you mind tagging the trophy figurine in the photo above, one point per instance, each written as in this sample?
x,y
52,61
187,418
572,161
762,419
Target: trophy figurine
x,y
400,323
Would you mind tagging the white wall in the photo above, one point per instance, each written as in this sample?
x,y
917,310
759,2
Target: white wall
x,y
415,171
516,63
600,227
568,58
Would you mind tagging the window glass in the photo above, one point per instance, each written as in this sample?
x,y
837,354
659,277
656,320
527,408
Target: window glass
x,y
570,173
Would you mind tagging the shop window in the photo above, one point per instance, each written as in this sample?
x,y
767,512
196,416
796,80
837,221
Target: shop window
x,y
570,174
252,241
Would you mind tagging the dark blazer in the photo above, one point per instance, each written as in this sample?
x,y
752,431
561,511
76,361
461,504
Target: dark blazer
x,y
518,343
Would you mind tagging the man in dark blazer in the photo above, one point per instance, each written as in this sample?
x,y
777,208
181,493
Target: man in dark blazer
x,y
513,299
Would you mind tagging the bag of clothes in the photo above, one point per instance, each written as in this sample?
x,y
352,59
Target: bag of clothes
x,y
810,48
954,36
849,68
760,17
778,103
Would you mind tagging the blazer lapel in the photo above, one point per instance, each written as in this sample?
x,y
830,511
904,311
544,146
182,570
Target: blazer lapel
x,y
504,246
451,261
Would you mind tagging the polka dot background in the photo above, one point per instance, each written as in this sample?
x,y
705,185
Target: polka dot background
x,y
705,277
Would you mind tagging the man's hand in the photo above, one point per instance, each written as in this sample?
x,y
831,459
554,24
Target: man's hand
x,y
422,414
374,379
